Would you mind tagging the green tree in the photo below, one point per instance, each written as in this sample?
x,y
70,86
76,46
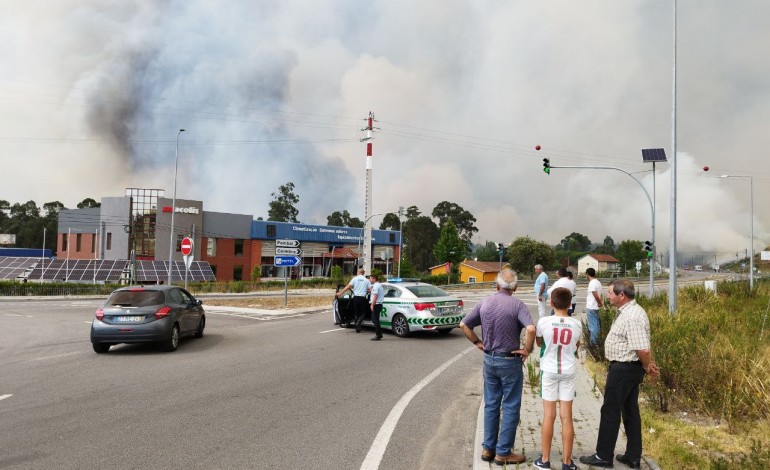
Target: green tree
x,y
488,252
629,252
282,207
607,247
524,253
88,203
575,242
450,247
390,222
343,219
463,220
420,235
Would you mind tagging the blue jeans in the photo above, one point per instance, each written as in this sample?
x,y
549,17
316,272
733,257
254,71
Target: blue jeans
x,y
593,325
503,382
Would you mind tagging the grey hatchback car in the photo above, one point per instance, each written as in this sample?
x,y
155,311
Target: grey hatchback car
x,y
147,314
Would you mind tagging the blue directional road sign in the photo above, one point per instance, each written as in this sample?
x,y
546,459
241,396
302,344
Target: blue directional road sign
x,y
286,261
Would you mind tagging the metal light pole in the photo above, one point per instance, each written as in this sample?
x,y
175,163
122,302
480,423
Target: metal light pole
x,y
672,289
751,211
400,240
363,234
652,207
42,256
173,210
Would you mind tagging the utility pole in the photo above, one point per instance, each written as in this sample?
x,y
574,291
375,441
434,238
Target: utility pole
x,y
369,129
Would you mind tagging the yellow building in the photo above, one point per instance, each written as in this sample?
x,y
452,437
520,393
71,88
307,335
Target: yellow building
x,y
472,271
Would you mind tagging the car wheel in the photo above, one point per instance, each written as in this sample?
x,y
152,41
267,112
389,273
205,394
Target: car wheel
x,y
101,348
445,332
201,326
172,342
400,326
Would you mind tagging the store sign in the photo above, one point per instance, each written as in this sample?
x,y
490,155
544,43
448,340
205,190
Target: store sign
x,y
182,210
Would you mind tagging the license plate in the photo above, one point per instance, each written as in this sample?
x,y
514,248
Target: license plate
x,y
128,319
446,310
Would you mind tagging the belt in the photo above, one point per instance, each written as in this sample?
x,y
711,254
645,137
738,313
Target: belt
x,y
502,354
360,296
626,362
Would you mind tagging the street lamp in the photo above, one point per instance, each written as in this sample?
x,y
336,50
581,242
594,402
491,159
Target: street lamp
x,y
362,236
67,262
751,214
173,210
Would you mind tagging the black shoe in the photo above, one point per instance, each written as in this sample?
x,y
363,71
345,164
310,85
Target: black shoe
x,y
596,461
376,338
626,461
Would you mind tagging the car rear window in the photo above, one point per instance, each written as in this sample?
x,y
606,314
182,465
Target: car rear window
x,y
426,291
142,298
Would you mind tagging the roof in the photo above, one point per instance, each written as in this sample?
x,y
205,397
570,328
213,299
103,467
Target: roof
x,y
603,258
483,266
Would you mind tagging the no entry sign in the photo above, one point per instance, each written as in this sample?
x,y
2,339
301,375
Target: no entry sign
x,y
187,246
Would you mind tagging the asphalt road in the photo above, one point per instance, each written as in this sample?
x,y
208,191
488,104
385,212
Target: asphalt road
x,y
292,392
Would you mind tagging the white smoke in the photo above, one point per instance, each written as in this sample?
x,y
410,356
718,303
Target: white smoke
x,y
93,93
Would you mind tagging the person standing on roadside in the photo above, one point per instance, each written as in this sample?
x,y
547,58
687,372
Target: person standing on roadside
x,y
360,286
375,301
563,281
627,347
593,304
502,317
558,337
574,293
541,289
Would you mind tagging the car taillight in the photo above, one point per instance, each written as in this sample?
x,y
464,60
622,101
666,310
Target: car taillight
x,y
163,312
460,303
424,306
99,314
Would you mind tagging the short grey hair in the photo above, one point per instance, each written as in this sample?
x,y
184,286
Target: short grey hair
x,y
539,266
625,286
507,279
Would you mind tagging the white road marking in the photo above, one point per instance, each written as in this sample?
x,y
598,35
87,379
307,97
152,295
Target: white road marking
x,y
332,331
377,450
3,397
56,356
87,322
12,315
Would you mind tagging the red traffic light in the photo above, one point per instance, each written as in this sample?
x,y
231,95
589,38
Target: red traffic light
x,y
706,168
537,147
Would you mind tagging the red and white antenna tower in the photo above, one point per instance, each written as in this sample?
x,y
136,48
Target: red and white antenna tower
x,y
367,246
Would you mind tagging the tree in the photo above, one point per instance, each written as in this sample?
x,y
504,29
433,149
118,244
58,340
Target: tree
x,y
420,235
629,252
575,242
463,220
607,248
450,247
282,207
390,222
524,253
88,203
343,219
488,252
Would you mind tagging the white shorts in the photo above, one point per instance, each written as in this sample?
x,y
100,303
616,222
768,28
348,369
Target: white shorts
x,y
557,387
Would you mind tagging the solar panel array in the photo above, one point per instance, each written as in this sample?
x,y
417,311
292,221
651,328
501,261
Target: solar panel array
x,y
156,271
12,267
653,155
100,270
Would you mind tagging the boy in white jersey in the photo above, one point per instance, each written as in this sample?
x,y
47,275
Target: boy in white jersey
x,y
558,337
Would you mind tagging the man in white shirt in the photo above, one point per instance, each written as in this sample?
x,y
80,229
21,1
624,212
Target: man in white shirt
x,y
360,286
593,304
563,281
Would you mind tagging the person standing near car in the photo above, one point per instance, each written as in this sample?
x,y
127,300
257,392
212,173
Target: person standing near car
x,y
627,347
541,289
375,301
502,317
360,286
593,304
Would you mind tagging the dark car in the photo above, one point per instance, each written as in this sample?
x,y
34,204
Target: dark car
x,y
152,314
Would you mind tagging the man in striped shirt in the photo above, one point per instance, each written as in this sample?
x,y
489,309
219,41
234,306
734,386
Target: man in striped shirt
x,y
627,347
558,337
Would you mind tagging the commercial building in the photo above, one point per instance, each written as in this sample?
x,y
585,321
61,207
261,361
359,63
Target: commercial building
x,y
138,226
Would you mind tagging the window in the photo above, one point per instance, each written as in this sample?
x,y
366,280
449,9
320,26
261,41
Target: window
x,y
392,238
271,230
109,240
211,247
175,295
179,238
471,279
93,244
78,242
65,240
238,247
238,273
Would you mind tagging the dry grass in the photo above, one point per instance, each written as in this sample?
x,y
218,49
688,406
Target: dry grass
x,y
273,302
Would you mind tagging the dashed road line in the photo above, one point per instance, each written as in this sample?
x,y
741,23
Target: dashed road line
x,y
3,397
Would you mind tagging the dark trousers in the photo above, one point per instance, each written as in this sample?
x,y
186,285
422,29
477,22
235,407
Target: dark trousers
x,y
361,307
621,400
376,320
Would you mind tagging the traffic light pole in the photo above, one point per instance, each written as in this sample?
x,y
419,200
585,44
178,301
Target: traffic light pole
x,y
546,164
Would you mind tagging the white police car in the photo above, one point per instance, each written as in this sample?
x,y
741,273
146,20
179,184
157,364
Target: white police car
x,y
408,306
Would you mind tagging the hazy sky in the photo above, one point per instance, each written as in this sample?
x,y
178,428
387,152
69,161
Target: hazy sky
x,y
93,93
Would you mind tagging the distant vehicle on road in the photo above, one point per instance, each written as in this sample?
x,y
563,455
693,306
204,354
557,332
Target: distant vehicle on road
x,y
408,306
153,314
698,267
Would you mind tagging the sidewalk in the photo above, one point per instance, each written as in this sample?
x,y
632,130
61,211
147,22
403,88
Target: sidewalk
x,y
586,411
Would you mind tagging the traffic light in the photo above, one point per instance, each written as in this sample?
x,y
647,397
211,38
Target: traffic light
x,y
500,248
546,166
648,248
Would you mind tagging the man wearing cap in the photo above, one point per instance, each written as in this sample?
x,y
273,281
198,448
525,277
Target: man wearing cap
x,y
360,286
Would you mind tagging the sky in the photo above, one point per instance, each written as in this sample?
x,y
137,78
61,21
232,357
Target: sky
x,y
93,94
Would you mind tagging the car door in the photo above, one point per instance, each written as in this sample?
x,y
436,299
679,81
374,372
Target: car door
x,y
194,310
180,308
